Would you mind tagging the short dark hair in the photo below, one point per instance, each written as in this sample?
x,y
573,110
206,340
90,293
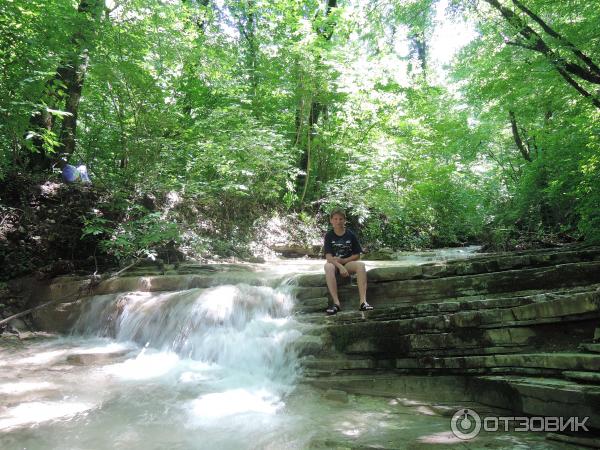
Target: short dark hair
x,y
337,211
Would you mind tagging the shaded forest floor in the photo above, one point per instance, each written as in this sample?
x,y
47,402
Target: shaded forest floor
x,y
48,228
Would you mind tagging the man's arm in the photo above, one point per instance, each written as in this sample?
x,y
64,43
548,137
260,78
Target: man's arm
x,y
339,262
333,260
348,259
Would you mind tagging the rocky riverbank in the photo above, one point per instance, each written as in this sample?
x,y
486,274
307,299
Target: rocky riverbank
x,y
518,331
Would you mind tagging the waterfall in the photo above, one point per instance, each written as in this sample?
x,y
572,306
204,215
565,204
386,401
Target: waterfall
x,y
235,340
178,365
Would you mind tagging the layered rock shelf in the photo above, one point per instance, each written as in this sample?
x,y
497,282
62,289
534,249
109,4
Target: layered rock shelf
x,y
517,331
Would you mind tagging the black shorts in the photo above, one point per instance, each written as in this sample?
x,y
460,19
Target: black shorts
x,y
340,279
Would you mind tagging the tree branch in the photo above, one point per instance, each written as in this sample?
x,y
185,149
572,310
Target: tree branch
x,y
521,44
559,37
539,45
577,86
582,73
515,131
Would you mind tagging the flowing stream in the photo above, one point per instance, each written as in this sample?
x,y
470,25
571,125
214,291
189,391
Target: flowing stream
x,y
196,369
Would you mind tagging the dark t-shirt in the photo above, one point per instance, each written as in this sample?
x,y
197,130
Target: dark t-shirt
x,y
342,246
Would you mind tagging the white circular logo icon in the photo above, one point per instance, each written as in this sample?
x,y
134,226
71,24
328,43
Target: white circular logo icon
x,y
465,424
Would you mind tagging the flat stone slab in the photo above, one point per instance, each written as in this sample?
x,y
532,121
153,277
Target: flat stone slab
x,y
310,292
309,345
312,305
310,280
472,266
566,306
545,324
559,361
587,377
539,396
384,274
582,441
546,278
589,347
84,359
338,364
488,312
390,384
169,283
513,395
510,335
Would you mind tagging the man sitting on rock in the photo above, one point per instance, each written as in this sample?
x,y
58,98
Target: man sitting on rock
x,y
342,251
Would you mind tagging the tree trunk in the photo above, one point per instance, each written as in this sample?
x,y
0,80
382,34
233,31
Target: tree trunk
x,y
63,91
517,137
247,26
419,44
42,121
316,108
74,83
191,65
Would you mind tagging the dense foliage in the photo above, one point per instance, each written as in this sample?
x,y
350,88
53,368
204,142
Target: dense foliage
x,y
233,111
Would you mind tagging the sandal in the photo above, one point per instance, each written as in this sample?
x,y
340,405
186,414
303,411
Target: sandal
x,y
333,309
364,306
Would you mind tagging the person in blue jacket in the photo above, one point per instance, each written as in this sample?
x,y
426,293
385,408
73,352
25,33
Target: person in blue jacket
x,y
73,174
342,252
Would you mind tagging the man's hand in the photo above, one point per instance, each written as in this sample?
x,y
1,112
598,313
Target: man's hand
x,y
339,263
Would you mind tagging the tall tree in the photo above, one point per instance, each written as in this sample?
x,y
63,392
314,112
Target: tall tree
x,y
317,108
63,90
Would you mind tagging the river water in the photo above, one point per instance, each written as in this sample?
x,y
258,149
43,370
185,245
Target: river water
x,y
200,369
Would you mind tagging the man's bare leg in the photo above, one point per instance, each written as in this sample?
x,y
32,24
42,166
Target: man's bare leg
x,y
331,282
358,268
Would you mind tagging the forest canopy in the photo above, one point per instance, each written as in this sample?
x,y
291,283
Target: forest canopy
x,y
242,109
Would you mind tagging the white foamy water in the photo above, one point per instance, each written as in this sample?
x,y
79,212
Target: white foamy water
x,y
179,361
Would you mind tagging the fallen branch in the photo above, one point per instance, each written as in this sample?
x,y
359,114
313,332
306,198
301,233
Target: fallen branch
x,y
35,308
24,313
126,268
